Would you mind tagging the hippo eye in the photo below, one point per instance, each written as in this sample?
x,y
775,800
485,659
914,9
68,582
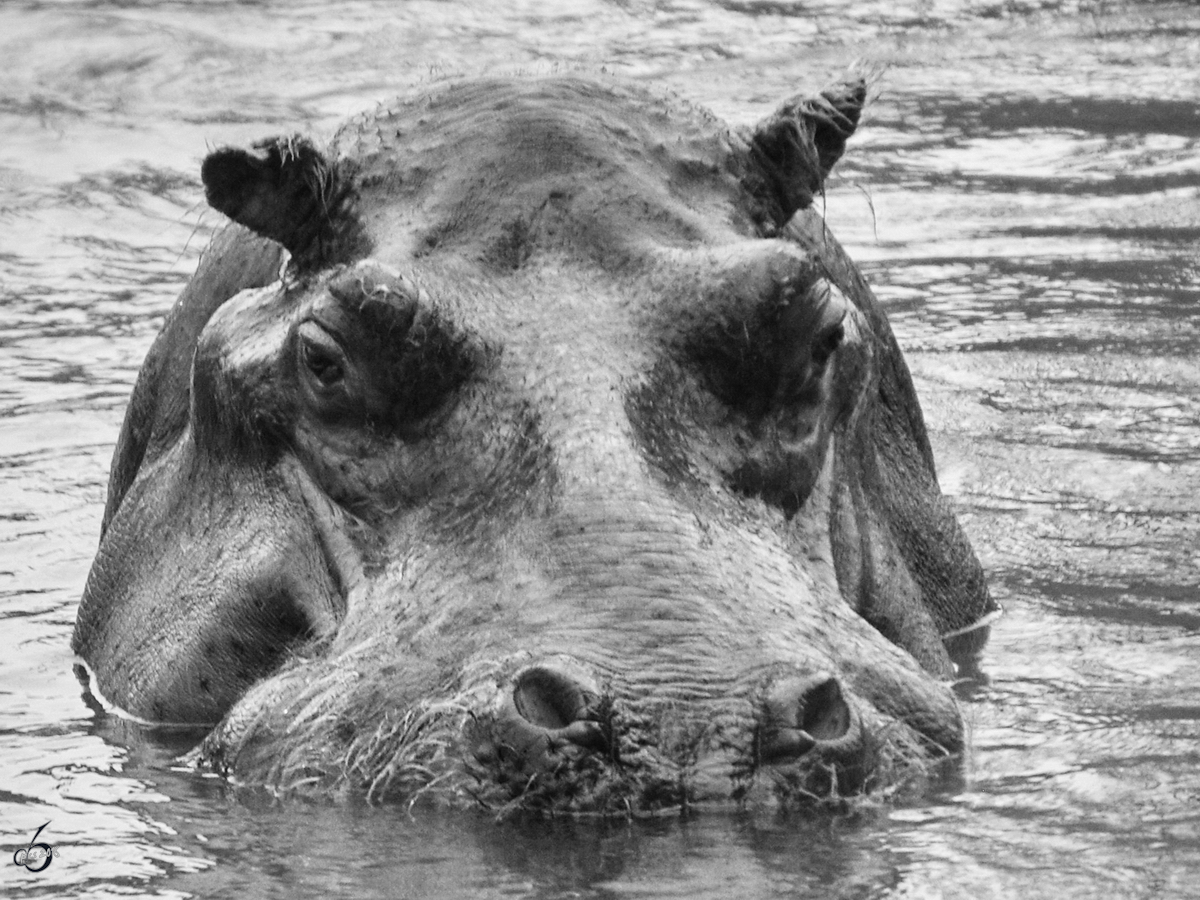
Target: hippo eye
x,y
321,355
827,342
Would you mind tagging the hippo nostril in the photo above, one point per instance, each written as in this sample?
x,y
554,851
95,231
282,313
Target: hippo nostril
x,y
824,712
548,698
560,706
800,713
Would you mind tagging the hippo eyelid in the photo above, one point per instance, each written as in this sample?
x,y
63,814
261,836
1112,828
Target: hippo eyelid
x,y
321,354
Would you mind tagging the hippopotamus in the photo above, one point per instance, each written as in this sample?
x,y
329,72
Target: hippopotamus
x,y
533,443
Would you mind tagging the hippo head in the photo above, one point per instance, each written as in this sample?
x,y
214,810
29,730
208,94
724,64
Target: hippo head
x,y
563,461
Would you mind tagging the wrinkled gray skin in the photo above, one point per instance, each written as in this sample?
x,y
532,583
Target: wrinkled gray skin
x,y
570,465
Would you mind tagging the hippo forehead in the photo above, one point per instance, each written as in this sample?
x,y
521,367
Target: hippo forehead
x,y
488,164
505,155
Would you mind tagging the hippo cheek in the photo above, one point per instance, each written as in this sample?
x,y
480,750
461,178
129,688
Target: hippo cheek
x,y
243,595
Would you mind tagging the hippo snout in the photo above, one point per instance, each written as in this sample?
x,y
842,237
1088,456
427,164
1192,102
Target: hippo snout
x,y
556,738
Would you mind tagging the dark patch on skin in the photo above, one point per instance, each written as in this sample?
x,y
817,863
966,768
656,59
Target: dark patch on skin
x,y
782,483
515,246
768,370
660,411
739,359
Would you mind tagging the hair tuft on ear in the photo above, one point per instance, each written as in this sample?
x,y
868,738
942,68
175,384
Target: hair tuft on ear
x,y
286,190
793,150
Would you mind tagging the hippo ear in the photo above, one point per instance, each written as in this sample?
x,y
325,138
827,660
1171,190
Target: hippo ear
x,y
286,190
793,150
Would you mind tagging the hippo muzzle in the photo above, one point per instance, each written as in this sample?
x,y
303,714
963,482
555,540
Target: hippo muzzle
x,y
566,464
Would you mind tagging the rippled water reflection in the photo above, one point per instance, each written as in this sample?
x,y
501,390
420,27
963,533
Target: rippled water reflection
x,y
1023,195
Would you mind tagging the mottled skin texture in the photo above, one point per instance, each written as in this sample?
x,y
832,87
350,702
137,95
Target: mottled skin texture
x,y
571,464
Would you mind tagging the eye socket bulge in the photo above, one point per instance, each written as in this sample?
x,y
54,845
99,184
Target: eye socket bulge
x,y
751,365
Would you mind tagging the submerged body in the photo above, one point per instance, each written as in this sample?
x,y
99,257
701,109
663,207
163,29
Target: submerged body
x,y
570,462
